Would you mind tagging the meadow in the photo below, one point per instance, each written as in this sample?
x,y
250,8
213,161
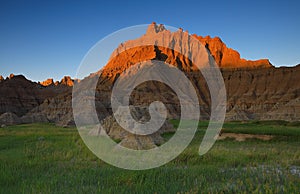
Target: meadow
x,y
44,158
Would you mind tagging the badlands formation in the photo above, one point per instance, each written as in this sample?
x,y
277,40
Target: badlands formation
x,y
256,90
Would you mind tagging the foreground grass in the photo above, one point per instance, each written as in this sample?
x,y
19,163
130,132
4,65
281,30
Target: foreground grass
x,y
43,158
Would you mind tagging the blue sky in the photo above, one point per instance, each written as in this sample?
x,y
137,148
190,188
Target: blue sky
x,y
43,39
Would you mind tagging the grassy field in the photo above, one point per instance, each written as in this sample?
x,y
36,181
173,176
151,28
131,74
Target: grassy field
x,y
43,158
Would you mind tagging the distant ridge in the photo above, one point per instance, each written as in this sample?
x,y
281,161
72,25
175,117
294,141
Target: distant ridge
x,y
66,80
19,95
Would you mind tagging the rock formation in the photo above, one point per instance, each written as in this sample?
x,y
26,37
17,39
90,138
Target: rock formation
x,y
227,57
19,96
9,119
57,110
263,94
133,141
255,89
66,80
47,82
11,76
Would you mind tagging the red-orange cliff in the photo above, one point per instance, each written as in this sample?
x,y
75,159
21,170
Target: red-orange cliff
x,y
228,58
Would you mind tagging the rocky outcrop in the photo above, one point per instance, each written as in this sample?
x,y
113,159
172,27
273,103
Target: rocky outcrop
x,y
57,110
228,58
11,76
142,142
47,82
134,141
1,78
38,117
225,57
19,95
9,119
66,80
266,94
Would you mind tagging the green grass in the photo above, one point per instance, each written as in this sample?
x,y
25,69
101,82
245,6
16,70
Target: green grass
x,y
43,158
279,128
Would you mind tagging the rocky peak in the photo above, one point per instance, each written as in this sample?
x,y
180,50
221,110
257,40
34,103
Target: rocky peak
x,y
1,78
66,80
154,28
225,57
229,58
14,78
11,76
47,82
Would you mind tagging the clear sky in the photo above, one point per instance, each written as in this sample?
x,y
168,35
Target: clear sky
x,y
43,39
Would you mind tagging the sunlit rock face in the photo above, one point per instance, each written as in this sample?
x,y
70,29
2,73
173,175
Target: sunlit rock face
x,y
66,80
228,58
